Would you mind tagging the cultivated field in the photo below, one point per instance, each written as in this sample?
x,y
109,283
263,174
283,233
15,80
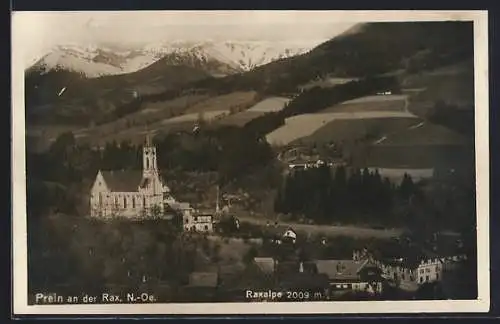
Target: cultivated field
x,y
297,127
376,98
325,83
240,119
353,129
453,85
425,133
137,121
329,230
396,103
207,116
235,101
174,107
135,135
267,105
307,124
186,122
272,104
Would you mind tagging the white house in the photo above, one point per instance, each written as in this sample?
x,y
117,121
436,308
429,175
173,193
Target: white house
x,y
198,222
290,234
410,274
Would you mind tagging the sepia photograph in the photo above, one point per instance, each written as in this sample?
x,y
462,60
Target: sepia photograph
x,y
249,162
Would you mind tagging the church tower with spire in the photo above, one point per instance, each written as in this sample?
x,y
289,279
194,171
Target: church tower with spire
x,y
149,161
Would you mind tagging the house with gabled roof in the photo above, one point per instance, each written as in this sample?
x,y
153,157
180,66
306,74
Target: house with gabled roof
x,y
410,266
350,275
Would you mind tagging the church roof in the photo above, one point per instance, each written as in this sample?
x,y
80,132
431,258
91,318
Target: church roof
x,y
122,181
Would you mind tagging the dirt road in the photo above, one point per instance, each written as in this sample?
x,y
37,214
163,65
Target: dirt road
x,y
328,230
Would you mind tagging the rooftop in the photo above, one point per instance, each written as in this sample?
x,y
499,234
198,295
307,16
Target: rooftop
x,y
340,269
122,181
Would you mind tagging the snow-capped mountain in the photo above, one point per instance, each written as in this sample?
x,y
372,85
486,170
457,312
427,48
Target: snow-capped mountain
x,y
221,58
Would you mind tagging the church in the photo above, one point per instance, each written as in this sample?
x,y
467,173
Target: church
x,y
132,194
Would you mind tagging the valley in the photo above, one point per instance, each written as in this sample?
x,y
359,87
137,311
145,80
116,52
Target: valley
x,y
160,165
391,121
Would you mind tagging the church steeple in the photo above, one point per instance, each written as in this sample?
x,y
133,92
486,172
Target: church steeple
x,y
149,165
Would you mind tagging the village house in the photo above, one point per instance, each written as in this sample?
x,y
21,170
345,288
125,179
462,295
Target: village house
x,y
410,274
276,235
341,276
293,275
414,266
199,222
334,276
290,235
350,276
141,194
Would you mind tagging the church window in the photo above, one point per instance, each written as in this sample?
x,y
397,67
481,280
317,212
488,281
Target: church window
x,y
144,201
124,202
147,163
116,201
206,227
133,202
100,199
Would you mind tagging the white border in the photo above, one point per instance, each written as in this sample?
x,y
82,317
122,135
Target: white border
x,y
482,304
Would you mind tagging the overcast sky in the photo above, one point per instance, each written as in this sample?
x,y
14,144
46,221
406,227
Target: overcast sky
x,y
43,30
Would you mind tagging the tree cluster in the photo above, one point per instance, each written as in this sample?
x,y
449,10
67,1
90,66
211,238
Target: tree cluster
x,y
354,197
230,152
78,254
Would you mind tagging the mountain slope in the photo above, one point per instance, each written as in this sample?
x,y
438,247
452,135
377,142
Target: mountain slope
x,y
68,97
216,58
367,49
396,48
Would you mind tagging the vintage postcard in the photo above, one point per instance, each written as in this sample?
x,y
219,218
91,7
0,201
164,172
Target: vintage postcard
x,y
250,162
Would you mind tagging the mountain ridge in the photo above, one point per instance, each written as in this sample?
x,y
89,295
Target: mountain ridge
x,y
226,57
